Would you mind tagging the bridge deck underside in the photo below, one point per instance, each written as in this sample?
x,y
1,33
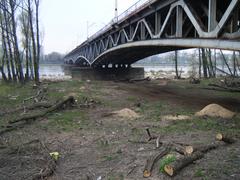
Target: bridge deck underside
x,y
162,26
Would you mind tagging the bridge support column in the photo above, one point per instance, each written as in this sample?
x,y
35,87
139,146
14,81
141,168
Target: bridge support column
x,y
157,22
179,21
143,32
212,13
234,22
131,31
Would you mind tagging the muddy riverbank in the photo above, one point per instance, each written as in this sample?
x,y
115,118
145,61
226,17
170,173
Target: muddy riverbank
x,y
94,142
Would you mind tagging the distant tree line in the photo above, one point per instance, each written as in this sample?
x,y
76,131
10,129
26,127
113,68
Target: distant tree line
x,y
53,58
20,40
209,62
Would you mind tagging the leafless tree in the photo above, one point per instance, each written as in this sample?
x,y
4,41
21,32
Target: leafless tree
x,y
26,14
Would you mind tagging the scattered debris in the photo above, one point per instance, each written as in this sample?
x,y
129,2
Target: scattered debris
x,y
40,96
34,106
175,117
150,136
22,120
55,155
215,110
61,105
194,80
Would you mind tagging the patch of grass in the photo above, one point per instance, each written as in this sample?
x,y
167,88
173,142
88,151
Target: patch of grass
x,y
199,173
67,120
131,99
110,157
203,124
166,161
116,177
12,94
154,110
103,143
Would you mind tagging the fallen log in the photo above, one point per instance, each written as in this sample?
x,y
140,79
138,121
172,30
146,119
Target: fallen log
x,y
225,138
173,168
222,88
153,160
139,80
201,148
29,107
11,128
67,102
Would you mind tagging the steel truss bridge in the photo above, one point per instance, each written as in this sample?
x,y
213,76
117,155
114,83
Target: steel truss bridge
x,y
152,27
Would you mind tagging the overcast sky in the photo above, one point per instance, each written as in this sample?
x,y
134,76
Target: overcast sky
x,y
64,22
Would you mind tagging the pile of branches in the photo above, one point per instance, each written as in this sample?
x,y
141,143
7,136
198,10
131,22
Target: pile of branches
x,y
230,84
188,153
35,154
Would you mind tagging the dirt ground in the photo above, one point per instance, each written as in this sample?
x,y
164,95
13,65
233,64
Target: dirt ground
x,y
93,144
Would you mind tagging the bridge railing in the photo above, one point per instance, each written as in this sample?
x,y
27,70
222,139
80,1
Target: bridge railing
x,y
138,5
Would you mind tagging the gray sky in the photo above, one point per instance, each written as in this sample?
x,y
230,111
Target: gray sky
x,y
64,22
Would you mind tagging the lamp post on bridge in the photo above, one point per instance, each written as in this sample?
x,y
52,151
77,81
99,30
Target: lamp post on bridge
x,y
116,10
88,27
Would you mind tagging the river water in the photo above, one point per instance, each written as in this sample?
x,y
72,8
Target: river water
x,y
157,71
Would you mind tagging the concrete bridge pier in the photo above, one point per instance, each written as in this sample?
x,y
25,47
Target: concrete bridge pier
x,y
115,72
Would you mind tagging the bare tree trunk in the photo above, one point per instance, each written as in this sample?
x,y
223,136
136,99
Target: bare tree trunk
x,y
204,60
38,40
35,61
27,61
2,67
4,47
234,64
176,64
15,43
31,63
215,62
225,61
8,43
211,69
200,64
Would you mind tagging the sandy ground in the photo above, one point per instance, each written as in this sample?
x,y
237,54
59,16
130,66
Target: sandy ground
x,y
102,146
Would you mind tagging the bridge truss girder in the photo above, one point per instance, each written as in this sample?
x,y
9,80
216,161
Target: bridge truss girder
x,y
173,20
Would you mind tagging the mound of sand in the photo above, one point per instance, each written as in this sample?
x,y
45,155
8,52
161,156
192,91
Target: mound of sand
x,y
215,110
126,113
175,117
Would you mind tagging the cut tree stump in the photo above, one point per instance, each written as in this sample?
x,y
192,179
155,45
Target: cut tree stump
x,y
173,168
153,160
225,138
